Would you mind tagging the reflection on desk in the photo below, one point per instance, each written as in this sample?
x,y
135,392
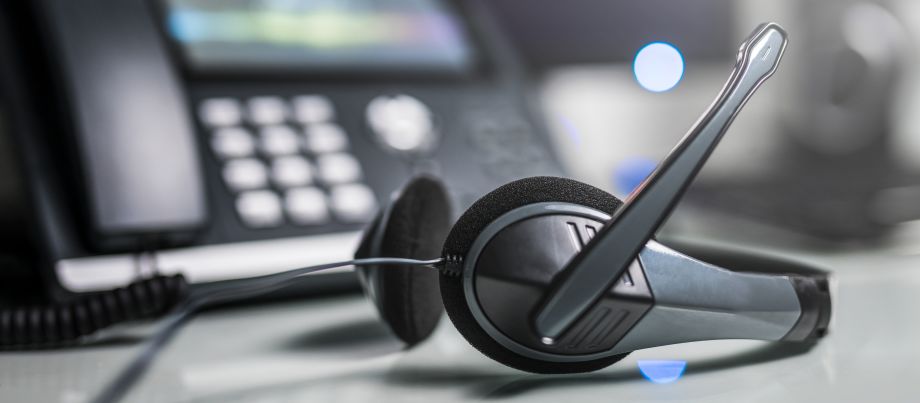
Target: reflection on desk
x,y
334,350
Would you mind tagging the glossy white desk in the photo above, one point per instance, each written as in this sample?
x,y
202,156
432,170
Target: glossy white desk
x,y
333,350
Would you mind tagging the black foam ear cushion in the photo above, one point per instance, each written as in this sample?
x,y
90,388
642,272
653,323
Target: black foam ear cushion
x,y
471,224
414,225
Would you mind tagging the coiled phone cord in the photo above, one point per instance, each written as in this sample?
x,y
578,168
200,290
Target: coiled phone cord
x,y
50,325
222,293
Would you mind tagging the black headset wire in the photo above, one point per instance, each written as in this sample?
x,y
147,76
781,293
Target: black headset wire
x,y
217,294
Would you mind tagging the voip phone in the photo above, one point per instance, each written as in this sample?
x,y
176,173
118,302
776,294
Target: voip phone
x,y
228,139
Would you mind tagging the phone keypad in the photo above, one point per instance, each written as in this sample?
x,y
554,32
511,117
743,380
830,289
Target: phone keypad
x,y
287,160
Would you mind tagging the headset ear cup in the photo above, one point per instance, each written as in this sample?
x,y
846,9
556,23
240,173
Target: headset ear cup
x,y
467,229
413,225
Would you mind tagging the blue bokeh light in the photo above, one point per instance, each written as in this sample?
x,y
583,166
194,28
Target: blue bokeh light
x,y
629,173
658,66
662,371
571,130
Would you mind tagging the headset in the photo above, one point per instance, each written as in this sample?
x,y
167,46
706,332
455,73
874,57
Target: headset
x,y
544,274
550,275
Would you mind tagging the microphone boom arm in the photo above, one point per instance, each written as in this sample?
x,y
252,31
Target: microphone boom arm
x,y
593,271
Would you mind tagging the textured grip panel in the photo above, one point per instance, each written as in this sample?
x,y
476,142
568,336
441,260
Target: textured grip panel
x,y
815,300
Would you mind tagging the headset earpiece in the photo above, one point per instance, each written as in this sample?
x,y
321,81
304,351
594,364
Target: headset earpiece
x,y
463,235
413,225
508,249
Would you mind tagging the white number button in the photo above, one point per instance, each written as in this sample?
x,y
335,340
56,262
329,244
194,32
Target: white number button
x,y
267,110
232,142
306,206
338,168
278,140
220,112
291,171
259,208
353,203
245,174
313,109
325,138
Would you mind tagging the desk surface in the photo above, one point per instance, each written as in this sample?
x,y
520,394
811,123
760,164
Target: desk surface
x,y
334,350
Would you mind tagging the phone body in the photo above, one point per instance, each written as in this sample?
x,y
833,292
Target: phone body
x,y
145,145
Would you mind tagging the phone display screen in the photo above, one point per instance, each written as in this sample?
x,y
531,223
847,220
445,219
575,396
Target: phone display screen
x,y
319,35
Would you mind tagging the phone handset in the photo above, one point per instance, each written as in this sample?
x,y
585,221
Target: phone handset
x,y
135,145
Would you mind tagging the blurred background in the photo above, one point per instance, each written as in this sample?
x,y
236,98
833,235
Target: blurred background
x,y
231,138
827,148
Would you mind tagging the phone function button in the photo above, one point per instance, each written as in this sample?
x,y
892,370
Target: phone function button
x,y
278,140
325,138
306,206
353,202
267,110
291,171
259,208
220,112
313,109
401,123
338,168
232,142
245,174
